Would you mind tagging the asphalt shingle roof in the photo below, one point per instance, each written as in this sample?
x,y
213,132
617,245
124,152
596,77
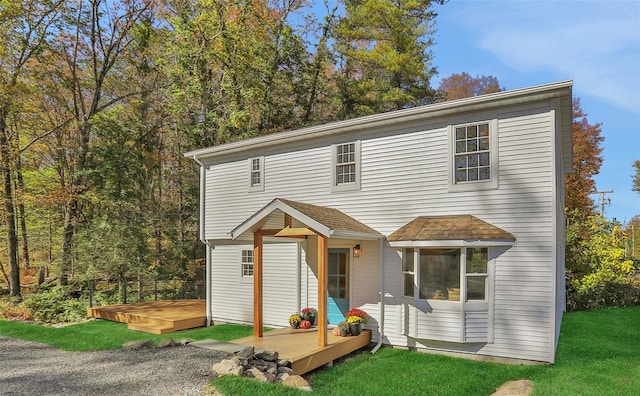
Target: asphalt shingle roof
x,y
456,227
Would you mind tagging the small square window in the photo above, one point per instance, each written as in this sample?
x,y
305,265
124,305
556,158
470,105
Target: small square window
x,y
247,263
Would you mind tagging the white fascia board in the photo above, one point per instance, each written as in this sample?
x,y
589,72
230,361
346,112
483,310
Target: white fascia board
x,y
483,102
276,204
452,243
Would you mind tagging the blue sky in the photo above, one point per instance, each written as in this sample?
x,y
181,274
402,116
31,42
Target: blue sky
x,y
524,43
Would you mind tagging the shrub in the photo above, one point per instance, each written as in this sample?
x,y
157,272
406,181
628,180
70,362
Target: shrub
x,y
11,309
602,294
56,305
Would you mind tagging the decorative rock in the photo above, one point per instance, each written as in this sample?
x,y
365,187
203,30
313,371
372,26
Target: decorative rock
x,y
269,356
284,363
285,370
166,343
296,381
515,388
227,367
137,344
273,370
260,375
246,352
185,342
259,363
281,377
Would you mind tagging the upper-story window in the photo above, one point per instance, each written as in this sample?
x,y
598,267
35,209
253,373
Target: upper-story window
x,y
345,163
472,153
474,156
256,173
346,166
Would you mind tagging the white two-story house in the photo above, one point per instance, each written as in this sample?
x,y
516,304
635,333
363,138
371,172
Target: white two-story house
x,y
444,222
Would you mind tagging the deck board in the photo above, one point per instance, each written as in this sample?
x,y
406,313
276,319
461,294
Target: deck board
x,y
301,346
156,317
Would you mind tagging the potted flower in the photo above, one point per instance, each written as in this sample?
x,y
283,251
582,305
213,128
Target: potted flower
x,y
294,321
344,328
437,295
309,314
355,325
356,318
359,313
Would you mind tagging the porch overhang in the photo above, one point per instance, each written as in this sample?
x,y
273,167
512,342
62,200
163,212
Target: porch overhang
x,y
321,220
282,218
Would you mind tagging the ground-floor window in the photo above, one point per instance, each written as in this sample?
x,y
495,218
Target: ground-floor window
x,y
445,273
247,263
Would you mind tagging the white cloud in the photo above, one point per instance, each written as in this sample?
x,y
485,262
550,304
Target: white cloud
x,y
597,44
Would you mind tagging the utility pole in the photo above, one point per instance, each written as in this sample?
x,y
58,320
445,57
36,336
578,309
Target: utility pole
x,y
602,200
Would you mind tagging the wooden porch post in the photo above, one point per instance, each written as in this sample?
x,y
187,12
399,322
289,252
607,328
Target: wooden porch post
x,y
257,284
323,263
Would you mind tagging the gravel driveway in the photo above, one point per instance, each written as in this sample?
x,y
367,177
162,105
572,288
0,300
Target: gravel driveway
x,y
30,368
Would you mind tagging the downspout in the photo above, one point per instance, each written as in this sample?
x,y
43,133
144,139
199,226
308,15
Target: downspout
x,y
381,320
209,247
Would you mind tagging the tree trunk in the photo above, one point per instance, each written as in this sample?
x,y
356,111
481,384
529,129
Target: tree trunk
x,y
70,216
9,215
21,213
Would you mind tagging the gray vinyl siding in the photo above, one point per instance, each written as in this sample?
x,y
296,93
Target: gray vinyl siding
x,y
405,174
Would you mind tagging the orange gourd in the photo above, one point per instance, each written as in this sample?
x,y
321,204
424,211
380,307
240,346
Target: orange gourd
x,y
305,324
336,331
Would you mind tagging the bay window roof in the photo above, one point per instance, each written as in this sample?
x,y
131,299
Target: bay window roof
x,y
454,230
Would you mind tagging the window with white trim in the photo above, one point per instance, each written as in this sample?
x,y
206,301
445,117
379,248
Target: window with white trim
x,y
408,272
345,164
439,272
247,263
476,273
256,173
472,154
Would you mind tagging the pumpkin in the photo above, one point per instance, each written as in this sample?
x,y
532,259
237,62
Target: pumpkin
x,y
305,324
337,332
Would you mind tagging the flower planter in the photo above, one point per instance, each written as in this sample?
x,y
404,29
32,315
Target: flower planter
x,y
310,318
355,328
295,325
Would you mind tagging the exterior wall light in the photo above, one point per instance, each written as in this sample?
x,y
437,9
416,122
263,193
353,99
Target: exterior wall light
x,y
357,251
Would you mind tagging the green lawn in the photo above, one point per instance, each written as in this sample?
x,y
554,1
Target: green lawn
x,y
599,354
103,334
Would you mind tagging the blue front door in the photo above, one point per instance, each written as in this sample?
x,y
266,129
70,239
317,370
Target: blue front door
x,y
338,287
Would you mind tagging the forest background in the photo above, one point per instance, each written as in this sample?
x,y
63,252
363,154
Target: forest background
x,y
99,99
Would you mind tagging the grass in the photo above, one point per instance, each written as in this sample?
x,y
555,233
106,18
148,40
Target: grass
x,y
103,334
598,354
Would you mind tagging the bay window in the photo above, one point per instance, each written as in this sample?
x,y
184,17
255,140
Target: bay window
x,y
443,273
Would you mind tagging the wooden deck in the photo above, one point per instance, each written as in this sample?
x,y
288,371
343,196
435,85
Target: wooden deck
x,y
156,317
301,346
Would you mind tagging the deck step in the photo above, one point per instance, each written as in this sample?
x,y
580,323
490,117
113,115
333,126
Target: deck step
x,y
150,328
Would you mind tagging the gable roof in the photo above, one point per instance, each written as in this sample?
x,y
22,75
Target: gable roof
x,y
450,228
560,90
327,221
